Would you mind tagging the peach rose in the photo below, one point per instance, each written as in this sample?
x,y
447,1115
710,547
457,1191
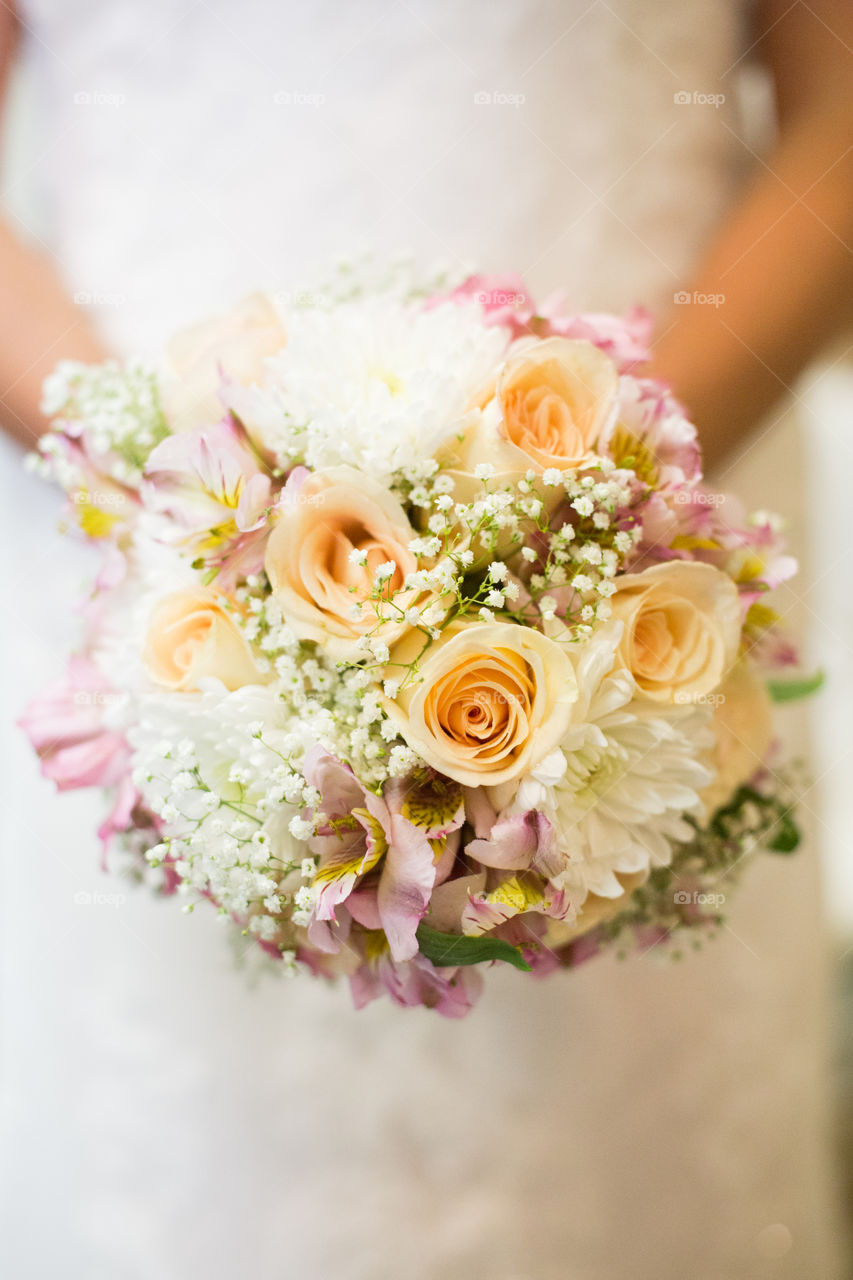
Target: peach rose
x,y
682,629
556,398
488,701
743,731
236,344
191,636
553,400
338,511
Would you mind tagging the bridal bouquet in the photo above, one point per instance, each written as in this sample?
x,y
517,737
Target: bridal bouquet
x,y
417,644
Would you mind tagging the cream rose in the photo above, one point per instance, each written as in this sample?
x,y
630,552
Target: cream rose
x,y
190,636
682,629
553,400
743,731
556,399
551,403
488,701
236,344
336,512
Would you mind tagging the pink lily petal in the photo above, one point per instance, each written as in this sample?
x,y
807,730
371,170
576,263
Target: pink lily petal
x,y
408,876
513,842
451,992
254,503
364,909
120,817
96,762
449,900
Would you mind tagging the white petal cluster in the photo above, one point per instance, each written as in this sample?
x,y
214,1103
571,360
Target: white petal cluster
x,y
625,779
220,771
376,384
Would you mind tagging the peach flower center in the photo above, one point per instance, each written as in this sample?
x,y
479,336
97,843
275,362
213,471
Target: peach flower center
x,y
544,416
184,639
483,711
333,580
669,642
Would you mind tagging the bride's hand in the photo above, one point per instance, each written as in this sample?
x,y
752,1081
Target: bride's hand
x,y
39,323
777,282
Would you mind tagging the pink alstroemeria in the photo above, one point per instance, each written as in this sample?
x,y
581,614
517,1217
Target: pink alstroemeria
x,y
99,506
524,844
452,992
212,483
65,724
123,815
653,436
624,338
527,933
363,833
517,843
714,528
504,299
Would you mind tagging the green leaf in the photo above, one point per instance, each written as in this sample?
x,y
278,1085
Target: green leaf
x,y
445,949
786,837
790,690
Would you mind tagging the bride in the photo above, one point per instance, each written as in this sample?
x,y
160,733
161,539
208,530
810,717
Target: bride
x,y
645,1120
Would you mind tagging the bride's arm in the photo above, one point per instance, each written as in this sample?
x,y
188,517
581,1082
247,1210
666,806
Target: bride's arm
x,y
784,258
39,323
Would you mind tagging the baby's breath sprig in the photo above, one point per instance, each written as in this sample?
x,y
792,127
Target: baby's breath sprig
x,y
227,842
116,406
530,550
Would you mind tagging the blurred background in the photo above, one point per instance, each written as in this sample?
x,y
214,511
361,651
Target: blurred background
x,y
814,494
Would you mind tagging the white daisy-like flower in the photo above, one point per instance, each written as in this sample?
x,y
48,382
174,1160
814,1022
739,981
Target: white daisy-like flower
x,y
619,787
377,384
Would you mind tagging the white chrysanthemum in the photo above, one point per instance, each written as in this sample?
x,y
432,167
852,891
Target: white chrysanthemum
x,y
377,384
618,788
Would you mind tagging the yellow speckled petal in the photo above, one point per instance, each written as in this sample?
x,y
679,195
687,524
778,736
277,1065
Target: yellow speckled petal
x,y
517,895
345,863
628,450
433,804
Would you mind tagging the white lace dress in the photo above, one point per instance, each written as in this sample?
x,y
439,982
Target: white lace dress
x,y
166,1122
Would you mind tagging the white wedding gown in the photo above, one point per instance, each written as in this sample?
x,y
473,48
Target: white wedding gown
x,y
635,1121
